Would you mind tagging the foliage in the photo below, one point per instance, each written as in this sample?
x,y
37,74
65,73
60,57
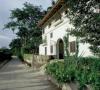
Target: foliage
x,y
5,54
25,21
85,16
86,21
56,70
44,40
20,56
66,45
84,70
28,57
15,46
95,50
60,73
88,72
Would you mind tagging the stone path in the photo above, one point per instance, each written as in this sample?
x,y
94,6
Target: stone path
x,y
16,76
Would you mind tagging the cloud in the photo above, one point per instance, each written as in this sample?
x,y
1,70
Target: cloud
x,y
4,41
5,37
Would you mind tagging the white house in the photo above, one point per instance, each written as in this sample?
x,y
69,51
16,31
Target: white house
x,y
55,25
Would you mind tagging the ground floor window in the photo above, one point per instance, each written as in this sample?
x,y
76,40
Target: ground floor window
x,y
51,35
45,50
51,48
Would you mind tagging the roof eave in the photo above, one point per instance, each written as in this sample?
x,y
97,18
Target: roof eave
x,y
55,8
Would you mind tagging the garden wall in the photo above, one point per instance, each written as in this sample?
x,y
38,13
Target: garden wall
x,y
39,60
36,61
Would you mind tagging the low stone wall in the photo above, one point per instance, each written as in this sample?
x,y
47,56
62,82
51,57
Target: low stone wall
x,y
36,61
68,86
39,60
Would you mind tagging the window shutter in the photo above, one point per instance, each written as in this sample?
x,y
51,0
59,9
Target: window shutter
x,y
72,46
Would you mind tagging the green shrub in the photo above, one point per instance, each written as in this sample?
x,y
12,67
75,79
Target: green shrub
x,y
20,56
84,70
87,72
60,73
5,54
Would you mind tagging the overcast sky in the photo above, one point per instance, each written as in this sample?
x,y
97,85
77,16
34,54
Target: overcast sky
x,y
5,6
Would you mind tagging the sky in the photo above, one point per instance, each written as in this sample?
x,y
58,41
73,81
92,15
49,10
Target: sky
x,y
6,36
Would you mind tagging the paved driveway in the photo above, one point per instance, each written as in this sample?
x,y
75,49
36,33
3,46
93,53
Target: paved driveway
x,y
15,76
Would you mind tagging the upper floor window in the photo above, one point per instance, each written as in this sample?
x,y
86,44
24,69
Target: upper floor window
x,y
60,16
51,35
49,25
66,11
43,31
72,46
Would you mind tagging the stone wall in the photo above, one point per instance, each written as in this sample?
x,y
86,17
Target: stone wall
x,y
39,60
68,86
36,61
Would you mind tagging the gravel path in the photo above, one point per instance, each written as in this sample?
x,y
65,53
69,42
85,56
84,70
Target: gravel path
x,y
16,76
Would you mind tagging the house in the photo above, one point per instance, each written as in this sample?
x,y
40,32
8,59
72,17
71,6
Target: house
x,y
55,25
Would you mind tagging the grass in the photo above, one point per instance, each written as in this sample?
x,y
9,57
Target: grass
x,y
28,57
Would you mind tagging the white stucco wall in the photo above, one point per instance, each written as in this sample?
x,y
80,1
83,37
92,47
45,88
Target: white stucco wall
x,y
84,50
59,31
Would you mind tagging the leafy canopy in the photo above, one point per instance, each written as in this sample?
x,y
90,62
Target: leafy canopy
x,y
85,16
25,21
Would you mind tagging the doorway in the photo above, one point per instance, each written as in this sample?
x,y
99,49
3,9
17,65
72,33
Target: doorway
x,y
60,49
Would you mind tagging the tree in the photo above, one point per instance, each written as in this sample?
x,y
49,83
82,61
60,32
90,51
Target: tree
x,y
15,46
85,16
25,21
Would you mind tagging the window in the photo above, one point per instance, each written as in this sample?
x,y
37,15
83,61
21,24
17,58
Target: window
x,y
51,35
45,50
60,16
51,48
66,11
43,31
49,25
72,46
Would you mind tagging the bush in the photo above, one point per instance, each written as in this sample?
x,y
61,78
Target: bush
x,y
88,72
20,56
60,73
5,54
84,70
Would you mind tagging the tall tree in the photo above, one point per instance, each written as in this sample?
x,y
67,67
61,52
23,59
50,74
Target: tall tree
x,y
85,16
25,21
